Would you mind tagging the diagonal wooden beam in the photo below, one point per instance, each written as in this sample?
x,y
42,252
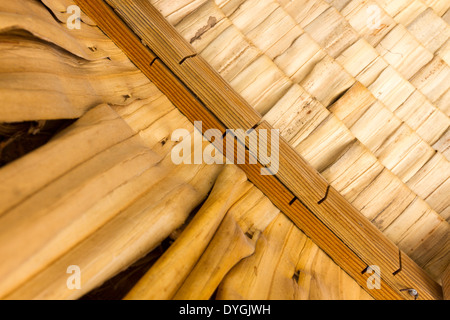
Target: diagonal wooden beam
x,y
297,189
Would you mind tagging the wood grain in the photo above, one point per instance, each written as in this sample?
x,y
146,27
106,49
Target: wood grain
x,y
446,283
234,240
214,92
288,265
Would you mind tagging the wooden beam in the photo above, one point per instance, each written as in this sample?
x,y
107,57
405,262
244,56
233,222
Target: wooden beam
x,y
147,22
298,190
167,275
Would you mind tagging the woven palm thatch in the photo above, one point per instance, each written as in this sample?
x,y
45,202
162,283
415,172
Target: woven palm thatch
x,y
365,102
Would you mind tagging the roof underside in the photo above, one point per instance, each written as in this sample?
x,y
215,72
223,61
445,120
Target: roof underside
x,y
364,102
